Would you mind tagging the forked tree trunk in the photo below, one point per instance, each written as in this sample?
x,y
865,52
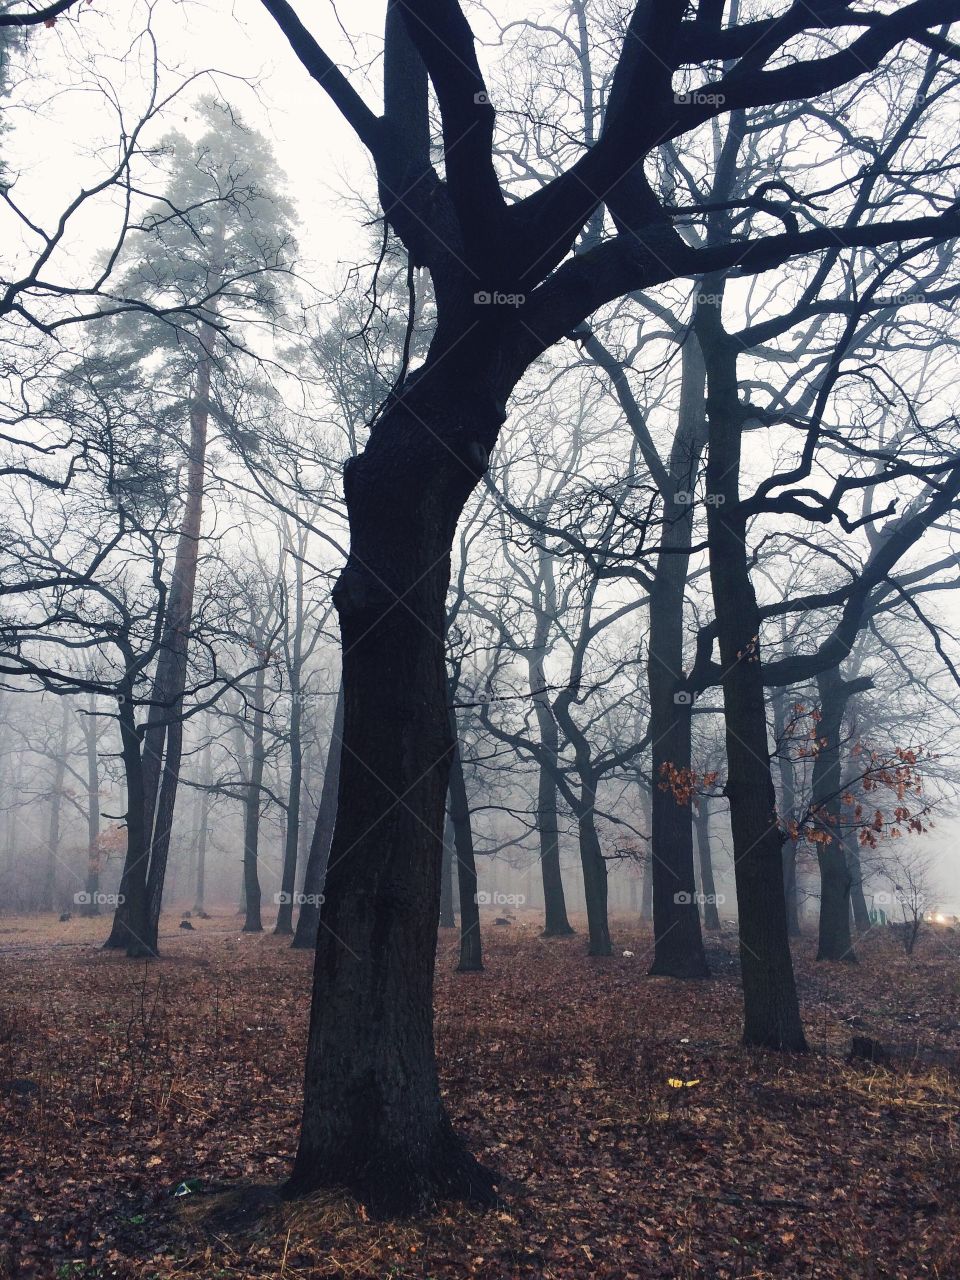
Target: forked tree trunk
x,y
308,920
471,945
162,747
711,915
678,942
373,1120
771,1009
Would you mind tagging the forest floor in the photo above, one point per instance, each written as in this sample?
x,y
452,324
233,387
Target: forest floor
x,y
122,1083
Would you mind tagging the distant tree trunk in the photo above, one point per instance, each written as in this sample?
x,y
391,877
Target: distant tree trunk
x,y
711,916
251,820
556,923
835,940
88,725
307,816
788,808
291,843
861,915
594,870
646,889
678,942
771,1009
447,918
202,826
471,952
291,846
49,897
308,920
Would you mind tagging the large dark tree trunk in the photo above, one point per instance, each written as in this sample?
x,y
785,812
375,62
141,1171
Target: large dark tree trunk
x,y
678,946
711,916
771,1010
788,808
555,922
373,1120
308,920
471,946
835,941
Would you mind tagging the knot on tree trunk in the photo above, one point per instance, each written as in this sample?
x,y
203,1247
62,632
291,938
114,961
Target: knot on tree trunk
x,y
358,591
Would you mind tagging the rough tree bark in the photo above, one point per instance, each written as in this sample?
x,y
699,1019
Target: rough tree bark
x,y
373,1118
